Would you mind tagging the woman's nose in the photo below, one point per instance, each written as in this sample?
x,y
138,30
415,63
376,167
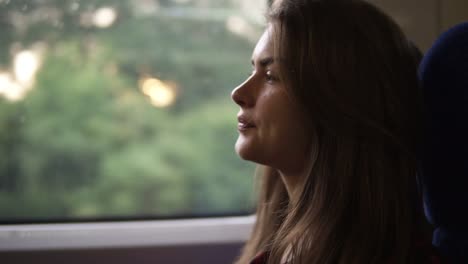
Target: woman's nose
x,y
242,96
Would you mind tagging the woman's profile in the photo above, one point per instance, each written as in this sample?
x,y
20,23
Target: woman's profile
x,y
332,113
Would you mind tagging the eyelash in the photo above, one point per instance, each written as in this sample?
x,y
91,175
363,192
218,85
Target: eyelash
x,y
268,76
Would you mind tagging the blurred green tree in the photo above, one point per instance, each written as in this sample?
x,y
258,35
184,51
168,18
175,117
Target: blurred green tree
x,y
86,142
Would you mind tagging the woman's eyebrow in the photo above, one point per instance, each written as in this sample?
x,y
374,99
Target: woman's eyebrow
x,y
264,62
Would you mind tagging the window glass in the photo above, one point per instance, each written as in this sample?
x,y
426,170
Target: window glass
x,y
122,109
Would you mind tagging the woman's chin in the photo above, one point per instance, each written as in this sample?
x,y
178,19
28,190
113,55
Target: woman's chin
x,y
245,150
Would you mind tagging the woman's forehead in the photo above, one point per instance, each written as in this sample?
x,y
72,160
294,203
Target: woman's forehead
x,y
264,47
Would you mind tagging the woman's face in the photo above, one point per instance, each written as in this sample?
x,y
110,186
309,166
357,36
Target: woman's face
x,y
271,127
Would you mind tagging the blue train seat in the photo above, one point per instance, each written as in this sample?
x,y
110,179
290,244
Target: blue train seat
x,y
444,157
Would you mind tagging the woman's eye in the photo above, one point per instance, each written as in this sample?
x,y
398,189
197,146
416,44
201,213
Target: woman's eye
x,y
270,77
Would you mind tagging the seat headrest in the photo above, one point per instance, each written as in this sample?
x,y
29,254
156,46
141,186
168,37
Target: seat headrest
x,y
444,158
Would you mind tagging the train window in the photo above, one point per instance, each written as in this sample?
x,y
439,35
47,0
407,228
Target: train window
x,y
121,109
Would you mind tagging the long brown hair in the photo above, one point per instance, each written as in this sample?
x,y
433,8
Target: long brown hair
x,y
354,74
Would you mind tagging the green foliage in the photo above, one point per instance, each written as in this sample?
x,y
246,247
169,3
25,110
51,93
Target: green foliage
x,y
86,142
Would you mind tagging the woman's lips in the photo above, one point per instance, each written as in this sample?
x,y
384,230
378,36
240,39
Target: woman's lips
x,y
244,127
244,124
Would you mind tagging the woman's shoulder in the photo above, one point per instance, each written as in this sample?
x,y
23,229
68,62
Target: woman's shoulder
x,y
422,252
425,253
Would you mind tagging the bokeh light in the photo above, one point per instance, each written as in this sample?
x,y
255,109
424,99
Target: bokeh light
x,y
239,26
104,17
26,63
10,89
161,94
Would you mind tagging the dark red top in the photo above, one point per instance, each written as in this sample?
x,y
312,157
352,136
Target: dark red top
x,y
424,253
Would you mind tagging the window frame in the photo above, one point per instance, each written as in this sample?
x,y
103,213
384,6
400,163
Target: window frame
x,y
183,232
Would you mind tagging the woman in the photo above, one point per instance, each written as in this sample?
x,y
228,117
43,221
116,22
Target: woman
x,y
332,111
